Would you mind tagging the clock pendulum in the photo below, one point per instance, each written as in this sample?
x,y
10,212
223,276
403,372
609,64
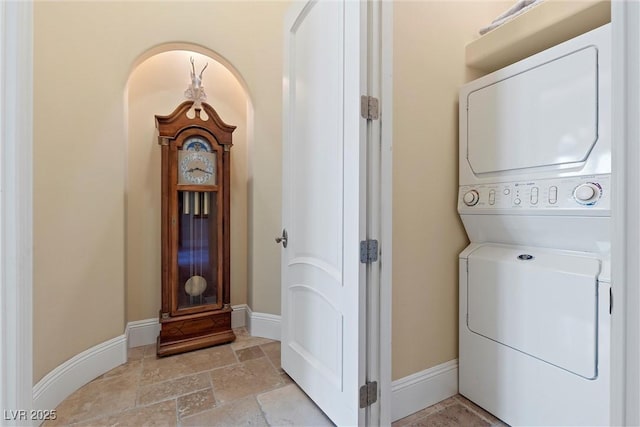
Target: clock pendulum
x,y
196,283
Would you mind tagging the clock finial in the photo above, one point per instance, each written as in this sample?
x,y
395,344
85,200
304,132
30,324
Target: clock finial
x,y
195,91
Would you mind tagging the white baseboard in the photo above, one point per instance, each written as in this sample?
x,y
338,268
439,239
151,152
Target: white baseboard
x,y
422,389
239,315
263,325
145,332
58,384
142,332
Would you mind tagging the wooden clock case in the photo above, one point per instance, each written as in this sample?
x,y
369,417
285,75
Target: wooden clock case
x,y
183,327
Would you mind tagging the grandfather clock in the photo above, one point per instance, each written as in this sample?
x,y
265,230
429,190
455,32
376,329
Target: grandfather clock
x,y
195,310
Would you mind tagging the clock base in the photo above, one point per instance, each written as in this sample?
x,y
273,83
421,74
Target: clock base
x,y
193,332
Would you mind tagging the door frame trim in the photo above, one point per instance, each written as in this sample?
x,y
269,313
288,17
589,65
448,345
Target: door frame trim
x,y
386,212
625,339
16,207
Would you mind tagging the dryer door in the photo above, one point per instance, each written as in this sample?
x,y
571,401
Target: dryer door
x,y
544,116
540,302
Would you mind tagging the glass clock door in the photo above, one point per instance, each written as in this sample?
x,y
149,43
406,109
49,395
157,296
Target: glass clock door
x,y
198,283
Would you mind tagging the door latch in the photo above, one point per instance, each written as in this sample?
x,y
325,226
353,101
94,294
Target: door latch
x,y
283,239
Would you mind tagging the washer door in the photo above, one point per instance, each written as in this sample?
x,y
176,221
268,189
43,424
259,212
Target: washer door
x,y
540,302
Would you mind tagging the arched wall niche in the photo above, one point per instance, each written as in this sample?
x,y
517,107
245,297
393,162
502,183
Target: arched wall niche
x,y
156,85
84,54
195,49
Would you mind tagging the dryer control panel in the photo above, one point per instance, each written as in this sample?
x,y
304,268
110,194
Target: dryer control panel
x,y
584,195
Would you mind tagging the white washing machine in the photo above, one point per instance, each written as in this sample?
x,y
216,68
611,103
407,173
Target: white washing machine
x,y
534,198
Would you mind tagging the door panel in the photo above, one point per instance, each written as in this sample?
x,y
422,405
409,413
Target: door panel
x,y
323,299
315,341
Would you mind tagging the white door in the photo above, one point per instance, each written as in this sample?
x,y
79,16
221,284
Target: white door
x,y
324,172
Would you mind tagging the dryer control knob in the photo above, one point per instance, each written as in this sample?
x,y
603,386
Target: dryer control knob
x,y
587,194
471,198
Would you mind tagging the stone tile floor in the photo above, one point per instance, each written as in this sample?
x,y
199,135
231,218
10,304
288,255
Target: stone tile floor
x,y
237,384
452,412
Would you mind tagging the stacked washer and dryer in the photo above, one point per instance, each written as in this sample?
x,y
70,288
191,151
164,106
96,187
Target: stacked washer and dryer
x,y
534,198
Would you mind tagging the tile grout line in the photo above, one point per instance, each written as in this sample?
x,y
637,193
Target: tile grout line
x,y
476,412
264,416
427,412
177,395
278,369
423,418
139,379
213,391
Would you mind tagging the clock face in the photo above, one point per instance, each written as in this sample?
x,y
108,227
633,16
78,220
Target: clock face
x,y
197,163
197,168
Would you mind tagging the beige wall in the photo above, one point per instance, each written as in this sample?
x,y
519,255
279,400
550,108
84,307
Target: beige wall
x,y
83,55
428,68
156,86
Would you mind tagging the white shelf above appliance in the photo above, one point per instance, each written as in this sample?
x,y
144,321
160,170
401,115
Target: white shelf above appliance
x,y
545,25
